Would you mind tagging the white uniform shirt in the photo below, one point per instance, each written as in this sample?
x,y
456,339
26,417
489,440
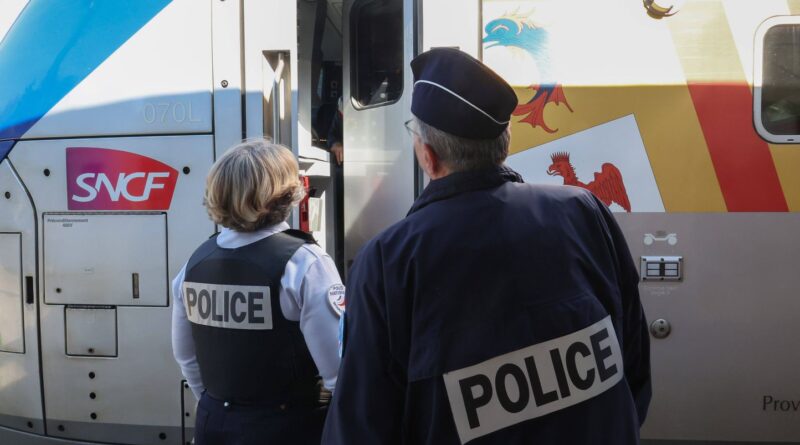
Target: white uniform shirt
x,y
306,285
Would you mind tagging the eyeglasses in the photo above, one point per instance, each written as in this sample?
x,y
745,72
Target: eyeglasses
x,y
410,127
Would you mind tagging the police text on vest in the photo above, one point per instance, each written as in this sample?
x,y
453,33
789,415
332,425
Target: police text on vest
x,y
228,306
534,381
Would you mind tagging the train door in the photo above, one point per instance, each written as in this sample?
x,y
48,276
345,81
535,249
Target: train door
x,y
20,384
20,373
280,42
380,39
21,404
319,53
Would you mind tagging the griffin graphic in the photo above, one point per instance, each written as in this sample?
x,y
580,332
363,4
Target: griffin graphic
x,y
516,31
607,184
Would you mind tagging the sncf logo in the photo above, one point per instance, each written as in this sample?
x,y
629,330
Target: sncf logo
x,y
103,179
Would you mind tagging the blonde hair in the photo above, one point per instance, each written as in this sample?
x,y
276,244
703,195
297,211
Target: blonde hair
x,y
253,185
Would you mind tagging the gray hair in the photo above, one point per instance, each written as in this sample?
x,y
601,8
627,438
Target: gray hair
x,y
462,154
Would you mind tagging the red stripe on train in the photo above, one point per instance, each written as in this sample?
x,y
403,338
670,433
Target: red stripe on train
x,y
742,160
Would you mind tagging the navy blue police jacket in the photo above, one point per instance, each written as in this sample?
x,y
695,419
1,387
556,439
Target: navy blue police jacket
x,y
496,312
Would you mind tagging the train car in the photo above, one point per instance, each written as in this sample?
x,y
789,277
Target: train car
x,y
682,116
110,117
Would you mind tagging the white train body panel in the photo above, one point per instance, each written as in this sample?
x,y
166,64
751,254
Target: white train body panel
x,y
157,82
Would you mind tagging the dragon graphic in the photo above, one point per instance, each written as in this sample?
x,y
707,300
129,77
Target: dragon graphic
x,y
607,184
516,31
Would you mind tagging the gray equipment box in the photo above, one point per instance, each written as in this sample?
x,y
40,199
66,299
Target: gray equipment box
x,y
117,259
91,331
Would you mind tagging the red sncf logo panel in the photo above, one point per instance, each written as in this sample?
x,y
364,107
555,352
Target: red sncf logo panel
x,y
104,179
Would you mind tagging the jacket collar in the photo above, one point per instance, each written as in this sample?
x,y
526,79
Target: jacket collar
x,y
462,182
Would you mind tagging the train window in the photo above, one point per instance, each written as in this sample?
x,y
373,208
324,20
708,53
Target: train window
x,y
777,80
376,52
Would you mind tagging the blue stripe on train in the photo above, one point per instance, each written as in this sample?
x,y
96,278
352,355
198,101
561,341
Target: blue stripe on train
x,y
52,47
5,148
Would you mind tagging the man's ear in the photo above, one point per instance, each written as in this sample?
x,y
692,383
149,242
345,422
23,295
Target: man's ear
x,y
432,161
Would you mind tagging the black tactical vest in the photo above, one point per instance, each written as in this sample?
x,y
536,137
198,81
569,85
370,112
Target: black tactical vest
x,y
247,351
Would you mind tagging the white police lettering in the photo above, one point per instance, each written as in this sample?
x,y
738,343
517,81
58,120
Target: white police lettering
x,y
534,381
120,188
336,298
228,306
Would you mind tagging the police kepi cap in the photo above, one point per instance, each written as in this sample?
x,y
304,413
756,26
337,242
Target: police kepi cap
x,y
457,94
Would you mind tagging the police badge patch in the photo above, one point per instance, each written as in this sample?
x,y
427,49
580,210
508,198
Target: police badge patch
x,y
336,298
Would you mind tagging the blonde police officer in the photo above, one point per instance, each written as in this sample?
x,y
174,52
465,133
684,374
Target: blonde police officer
x,y
257,306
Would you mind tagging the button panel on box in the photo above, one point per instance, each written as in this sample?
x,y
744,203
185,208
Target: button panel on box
x,y
662,268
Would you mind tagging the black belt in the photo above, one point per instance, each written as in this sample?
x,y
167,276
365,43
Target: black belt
x,y
312,398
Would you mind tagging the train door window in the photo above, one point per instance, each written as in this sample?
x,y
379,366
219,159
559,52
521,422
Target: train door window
x,y
376,51
776,108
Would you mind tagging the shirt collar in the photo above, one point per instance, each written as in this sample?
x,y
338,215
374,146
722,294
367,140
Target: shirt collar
x,y
462,182
231,239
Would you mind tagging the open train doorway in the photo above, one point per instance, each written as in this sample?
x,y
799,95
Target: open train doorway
x,y
320,91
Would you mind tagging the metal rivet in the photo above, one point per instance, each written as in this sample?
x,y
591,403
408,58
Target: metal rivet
x,y
185,385
186,170
224,84
61,427
58,290
8,195
93,416
30,424
92,395
226,404
91,375
162,436
47,172
188,415
91,350
660,328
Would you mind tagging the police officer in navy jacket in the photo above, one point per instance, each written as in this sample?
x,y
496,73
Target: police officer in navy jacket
x,y
256,311
496,312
